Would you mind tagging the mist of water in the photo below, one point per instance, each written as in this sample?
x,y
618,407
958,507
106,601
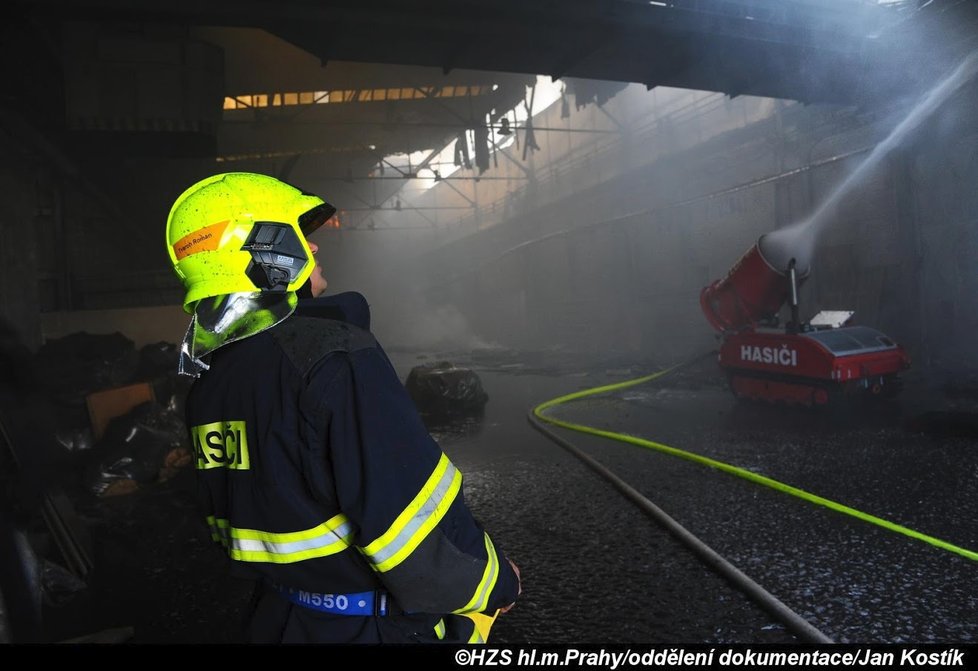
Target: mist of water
x,y
798,240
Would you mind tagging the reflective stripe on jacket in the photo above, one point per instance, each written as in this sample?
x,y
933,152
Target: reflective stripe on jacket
x,y
316,472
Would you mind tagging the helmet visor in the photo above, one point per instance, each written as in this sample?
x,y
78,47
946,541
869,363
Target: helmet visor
x,y
316,217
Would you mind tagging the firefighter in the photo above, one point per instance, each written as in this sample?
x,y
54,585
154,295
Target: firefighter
x,y
316,473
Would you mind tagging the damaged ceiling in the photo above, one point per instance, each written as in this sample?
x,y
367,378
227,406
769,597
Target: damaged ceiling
x,y
125,102
411,77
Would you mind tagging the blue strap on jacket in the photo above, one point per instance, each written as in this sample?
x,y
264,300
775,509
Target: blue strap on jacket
x,y
356,603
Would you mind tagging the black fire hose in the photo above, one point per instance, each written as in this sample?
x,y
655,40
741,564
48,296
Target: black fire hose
x,y
794,622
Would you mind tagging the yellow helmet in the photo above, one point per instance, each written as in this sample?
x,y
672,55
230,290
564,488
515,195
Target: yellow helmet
x,y
242,232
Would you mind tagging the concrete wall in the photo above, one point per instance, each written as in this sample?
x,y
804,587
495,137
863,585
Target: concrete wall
x,y
618,262
941,179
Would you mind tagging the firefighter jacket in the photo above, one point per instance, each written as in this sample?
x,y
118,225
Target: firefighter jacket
x,y
318,477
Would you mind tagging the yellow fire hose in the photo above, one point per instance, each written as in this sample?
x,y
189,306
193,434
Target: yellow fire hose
x,y
537,416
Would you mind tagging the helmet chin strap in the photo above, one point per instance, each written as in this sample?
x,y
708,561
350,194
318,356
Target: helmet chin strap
x,y
225,319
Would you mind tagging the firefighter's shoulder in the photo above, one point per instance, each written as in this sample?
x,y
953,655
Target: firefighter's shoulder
x,y
307,340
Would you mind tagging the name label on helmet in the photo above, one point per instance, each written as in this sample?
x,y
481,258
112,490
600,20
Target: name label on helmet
x,y
221,445
205,239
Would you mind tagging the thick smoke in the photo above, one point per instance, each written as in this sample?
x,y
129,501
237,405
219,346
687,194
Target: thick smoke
x,y
386,267
414,324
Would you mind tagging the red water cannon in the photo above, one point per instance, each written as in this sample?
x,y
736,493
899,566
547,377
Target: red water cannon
x,y
752,292
817,363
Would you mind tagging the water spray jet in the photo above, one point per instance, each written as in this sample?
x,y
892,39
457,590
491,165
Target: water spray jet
x,y
799,239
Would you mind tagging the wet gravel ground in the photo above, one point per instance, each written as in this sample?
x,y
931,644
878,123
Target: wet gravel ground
x,y
595,569
911,462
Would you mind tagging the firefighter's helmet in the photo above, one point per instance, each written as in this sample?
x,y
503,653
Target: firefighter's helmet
x,y
242,232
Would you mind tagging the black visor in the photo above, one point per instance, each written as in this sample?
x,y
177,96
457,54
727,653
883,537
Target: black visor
x,y
314,218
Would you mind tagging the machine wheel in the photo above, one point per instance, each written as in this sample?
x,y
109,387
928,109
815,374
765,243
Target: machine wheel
x,y
821,396
733,389
892,386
